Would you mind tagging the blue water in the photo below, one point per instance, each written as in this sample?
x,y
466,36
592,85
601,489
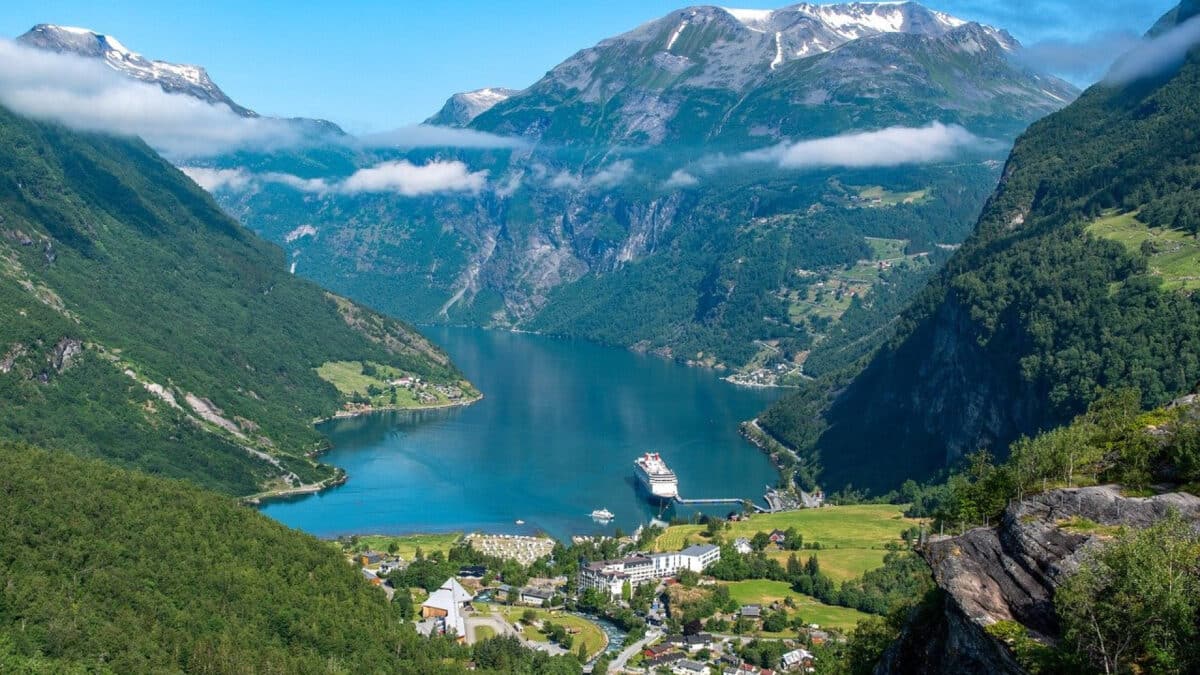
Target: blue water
x,y
554,438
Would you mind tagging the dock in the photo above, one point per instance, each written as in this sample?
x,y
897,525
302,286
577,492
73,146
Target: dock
x,y
718,500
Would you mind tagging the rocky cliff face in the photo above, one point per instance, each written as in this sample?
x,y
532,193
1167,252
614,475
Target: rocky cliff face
x,y
1008,574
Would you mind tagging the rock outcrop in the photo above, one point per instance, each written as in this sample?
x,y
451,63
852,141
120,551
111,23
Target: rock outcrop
x,y
1009,573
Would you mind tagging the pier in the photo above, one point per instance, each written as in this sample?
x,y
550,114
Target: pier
x,y
719,500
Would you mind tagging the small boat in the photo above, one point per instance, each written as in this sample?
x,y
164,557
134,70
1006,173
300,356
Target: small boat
x,y
520,522
602,514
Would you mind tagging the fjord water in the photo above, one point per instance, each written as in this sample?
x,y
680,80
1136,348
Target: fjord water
x,y
554,438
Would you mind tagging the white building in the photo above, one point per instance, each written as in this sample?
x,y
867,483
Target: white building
x,y
447,606
610,576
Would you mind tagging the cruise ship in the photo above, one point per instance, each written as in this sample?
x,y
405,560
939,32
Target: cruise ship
x,y
658,478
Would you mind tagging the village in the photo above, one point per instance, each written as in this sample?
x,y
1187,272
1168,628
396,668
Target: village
x,y
720,595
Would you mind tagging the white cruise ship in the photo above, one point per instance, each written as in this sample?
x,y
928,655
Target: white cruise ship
x,y
658,478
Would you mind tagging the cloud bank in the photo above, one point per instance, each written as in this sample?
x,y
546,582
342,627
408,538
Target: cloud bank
x,y
894,146
1079,61
88,96
1155,56
400,177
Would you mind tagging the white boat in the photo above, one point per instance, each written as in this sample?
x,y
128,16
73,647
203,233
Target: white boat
x,y
602,514
658,478
520,522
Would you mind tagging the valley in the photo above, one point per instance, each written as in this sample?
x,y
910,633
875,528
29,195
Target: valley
x,y
902,329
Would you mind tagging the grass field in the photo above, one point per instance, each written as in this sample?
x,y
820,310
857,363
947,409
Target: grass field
x,y
409,543
889,198
886,249
593,638
484,632
868,526
840,564
765,592
1176,256
348,378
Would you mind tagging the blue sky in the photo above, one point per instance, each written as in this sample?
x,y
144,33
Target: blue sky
x,y
373,65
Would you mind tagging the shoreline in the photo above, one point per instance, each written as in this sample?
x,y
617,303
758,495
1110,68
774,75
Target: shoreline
x,y
342,476
370,409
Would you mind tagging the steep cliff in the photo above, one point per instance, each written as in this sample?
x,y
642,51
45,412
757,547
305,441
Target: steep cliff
x,y
1082,273
1007,575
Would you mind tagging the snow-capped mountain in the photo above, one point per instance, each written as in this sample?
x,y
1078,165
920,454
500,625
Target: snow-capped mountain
x,y
172,77
463,107
690,74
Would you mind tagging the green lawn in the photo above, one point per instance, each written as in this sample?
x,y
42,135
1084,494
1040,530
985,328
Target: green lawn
x,y
1176,256
409,543
840,564
889,198
764,592
591,634
868,526
886,249
348,378
484,632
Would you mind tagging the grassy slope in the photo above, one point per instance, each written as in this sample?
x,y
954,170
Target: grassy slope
x,y
591,634
764,592
109,570
859,532
138,263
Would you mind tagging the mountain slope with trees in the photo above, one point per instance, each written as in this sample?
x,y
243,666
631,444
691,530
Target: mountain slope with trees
x,y
104,570
143,325
1052,297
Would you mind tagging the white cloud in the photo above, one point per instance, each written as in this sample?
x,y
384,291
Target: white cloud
x,y
609,176
316,185
1157,55
894,146
681,179
429,136
213,180
566,180
86,95
404,177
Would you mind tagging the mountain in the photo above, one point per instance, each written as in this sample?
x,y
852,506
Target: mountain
x,y
145,326
173,78
655,203
109,570
726,76
1081,274
462,108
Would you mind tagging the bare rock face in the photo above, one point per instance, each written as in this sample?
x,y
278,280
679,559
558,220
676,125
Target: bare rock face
x,y
1010,572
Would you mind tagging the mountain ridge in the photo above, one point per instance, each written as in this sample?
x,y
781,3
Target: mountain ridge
x,y
172,78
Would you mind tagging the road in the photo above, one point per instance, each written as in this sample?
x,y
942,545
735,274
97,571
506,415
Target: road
x,y
618,664
494,621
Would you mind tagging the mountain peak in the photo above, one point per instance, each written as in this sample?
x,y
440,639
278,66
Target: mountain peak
x,y
465,106
173,78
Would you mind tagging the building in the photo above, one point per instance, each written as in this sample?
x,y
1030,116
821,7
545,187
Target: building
x,y
472,572
797,658
539,597
742,545
778,537
610,576
698,557
694,643
448,606
751,612
689,667
371,557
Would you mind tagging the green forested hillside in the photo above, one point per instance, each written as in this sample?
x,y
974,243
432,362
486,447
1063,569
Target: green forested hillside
x,y
143,325
1041,306
112,571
